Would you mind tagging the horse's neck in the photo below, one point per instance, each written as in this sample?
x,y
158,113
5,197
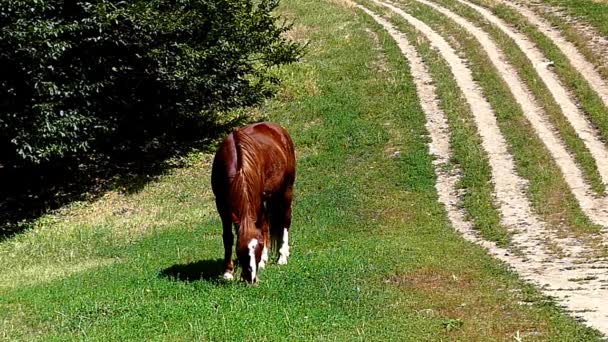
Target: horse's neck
x,y
249,216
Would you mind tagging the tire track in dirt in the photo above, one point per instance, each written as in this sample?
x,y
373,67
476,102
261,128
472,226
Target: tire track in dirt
x,y
595,208
578,121
509,189
439,132
594,41
581,288
578,61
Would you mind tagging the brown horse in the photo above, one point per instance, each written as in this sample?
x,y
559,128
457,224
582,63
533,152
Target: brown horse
x,y
252,179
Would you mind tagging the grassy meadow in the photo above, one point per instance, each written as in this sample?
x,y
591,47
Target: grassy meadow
x,y
374,256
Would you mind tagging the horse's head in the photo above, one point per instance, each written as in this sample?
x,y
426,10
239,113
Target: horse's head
x,y
249,254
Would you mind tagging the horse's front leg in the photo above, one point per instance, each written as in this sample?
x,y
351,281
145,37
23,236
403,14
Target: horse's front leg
x,y
266,240
285,224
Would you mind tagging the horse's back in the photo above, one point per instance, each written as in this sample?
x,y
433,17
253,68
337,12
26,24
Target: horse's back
x,y
270,139
270,136
274,152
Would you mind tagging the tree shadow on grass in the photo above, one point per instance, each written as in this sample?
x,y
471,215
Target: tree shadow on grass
x,y
194,271
28,192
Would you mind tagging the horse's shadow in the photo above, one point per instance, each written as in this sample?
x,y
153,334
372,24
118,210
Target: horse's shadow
x,y
208,270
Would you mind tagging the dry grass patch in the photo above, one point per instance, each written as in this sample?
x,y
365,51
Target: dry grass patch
x,y
457,299
292,91
433,280
389,216
300,33
44,273
393,146
15,324
380,63
344,3
307,152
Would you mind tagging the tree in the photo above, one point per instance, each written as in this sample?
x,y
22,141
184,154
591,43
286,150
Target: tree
x,y
100,75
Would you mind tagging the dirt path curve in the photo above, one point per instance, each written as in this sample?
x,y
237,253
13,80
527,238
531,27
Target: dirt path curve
x,y
556,277
579,122
578,61
595,208
509,188
595,41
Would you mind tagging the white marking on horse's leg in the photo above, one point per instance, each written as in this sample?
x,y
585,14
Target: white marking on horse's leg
x,y
228,276
284,251
264,259
252,245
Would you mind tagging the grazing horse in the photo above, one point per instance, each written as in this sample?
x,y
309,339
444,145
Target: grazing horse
x,y
252,179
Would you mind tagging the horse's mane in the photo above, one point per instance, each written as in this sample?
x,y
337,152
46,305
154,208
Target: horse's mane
x,y
245,189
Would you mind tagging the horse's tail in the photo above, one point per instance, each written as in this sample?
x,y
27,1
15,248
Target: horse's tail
x,y
244,190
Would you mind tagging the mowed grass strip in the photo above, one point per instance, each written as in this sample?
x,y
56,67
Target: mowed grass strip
x,y
542,95
374,257
549,194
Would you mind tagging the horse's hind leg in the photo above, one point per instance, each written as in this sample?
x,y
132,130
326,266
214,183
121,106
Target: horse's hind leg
x,y
266,239
228,238
285,222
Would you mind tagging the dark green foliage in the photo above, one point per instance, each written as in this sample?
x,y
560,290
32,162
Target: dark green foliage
x,y
108,75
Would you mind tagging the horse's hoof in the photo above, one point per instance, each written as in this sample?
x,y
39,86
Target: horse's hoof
x,y
228,276
264,259
282,260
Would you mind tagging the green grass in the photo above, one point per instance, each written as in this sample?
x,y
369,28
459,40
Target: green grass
x,y
374,257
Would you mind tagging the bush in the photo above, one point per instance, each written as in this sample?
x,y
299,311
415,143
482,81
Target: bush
x,y
88,76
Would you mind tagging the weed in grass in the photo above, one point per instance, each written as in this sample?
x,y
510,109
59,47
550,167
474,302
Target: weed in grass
x,y
452,324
